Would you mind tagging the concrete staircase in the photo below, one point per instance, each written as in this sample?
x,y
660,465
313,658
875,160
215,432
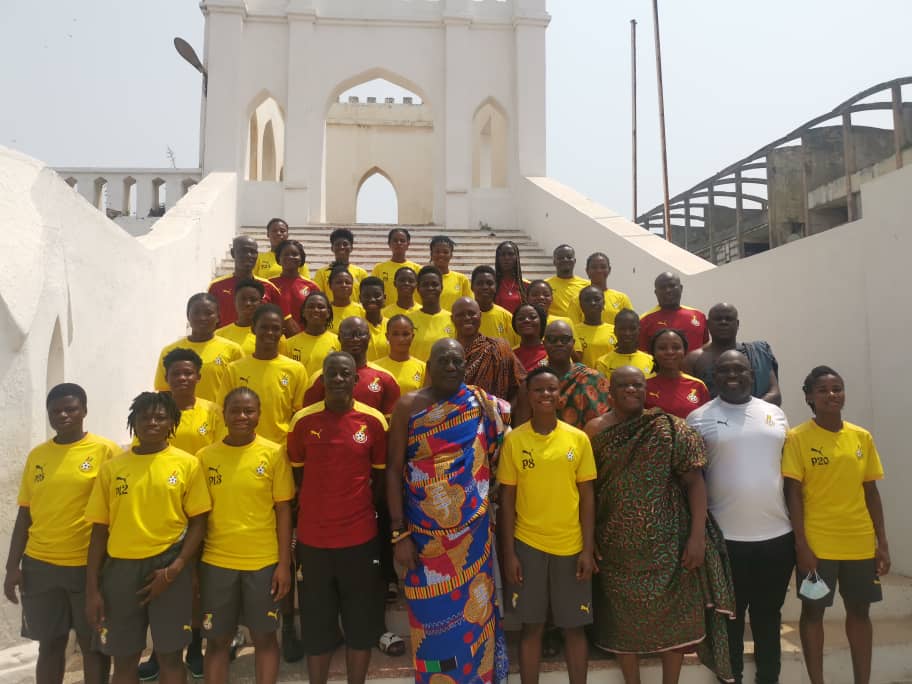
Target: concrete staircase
x,y
473,247
892,661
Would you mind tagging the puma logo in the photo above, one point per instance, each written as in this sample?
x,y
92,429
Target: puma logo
x,y
722,422
817,451
246,381
585,608
316,433
274,614
214,476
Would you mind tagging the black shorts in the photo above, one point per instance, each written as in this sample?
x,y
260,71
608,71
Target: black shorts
x,y
344,581
53,600
857,581
549,580
168,616
231,597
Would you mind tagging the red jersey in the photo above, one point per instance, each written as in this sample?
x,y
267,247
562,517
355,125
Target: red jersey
x,y
531,357
223,290
678,396
292,293
689,321
508,294
376,388
338,454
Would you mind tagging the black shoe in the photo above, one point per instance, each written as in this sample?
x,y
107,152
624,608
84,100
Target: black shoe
x,y
148,671
194,663
292,647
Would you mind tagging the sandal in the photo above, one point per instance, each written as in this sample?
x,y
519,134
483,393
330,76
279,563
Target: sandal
x,y
551,643
391,644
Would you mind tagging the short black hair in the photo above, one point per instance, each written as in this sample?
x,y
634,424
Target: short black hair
x,y
337,270
595,255
540,370
340,233
182,354
67,389
542,318
659,333
816,373
149,401
430,269
264,309
540,282
372,281
201,297
484,268
389,235
564,246
322,295
275,220
284,243
404,268
400,318
443,239
238,391
627,313
250,282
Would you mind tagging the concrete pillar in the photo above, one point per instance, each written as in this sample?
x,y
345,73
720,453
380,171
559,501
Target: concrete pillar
x,y
115,192
85,186
457,119
530,86
145,196
304,121
223,139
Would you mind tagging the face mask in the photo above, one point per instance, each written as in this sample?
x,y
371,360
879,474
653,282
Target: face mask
x,y
813,587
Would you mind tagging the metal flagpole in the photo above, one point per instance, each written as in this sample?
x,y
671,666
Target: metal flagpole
x,y
658,49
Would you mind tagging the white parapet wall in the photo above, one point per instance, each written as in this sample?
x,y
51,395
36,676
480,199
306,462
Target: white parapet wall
x,y
837,298
82,301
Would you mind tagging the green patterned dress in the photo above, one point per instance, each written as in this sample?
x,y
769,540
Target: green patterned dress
x,y
646,601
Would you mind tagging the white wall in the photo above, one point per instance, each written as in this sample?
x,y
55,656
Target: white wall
x,y
837,298
115,301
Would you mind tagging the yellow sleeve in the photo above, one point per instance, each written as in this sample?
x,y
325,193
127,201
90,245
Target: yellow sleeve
x,y
585,470
97,510
466,286
506,468
873,466
283,488
792,464
196,498
160,384
25,483
601,365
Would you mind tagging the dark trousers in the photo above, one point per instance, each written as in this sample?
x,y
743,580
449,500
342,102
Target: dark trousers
x,y
761,572
387,568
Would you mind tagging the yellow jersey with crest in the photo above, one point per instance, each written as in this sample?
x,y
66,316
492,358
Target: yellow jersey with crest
x,y
216,354
455,285
379,346
428,329
387,273
146,500
245,483
498,322
310,350
280,384
593,341
267,267
566,293
55,487
615,302
409,374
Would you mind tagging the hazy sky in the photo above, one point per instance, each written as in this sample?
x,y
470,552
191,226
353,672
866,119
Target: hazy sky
x,y
99,84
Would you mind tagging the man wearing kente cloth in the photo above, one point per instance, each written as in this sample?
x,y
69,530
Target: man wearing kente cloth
x,y
443,446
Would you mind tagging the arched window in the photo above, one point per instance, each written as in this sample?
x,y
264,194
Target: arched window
x,y
489,152
377,200
266,141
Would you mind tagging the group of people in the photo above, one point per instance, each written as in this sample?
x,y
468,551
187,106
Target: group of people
x,y
534,454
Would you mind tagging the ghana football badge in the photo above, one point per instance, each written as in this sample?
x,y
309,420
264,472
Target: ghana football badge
x,y
203,429
570,455
695,322
261,468
86,465
417,376
361,435
692,397
207,621
859,454
375,385
172,478
284,380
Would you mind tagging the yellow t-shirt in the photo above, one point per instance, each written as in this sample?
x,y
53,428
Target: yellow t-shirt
x,y
615,301
55,487
245,483
593,341
566,292
428,329
607,364
832,468
498,322
563,319
379,346
312,349
387,273
546,470
243,336
340,313
455,285
280,383
216,354
199,427
146,499
321,278
409,374
394,310
267,267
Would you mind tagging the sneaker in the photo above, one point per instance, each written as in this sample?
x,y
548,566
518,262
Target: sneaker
x,y
292,647
195,664
148,671
236,643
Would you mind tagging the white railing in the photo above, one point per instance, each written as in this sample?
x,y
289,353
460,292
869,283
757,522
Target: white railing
x,y
130,192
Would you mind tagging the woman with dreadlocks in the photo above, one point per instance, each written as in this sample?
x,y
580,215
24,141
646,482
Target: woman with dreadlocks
x,y
511,288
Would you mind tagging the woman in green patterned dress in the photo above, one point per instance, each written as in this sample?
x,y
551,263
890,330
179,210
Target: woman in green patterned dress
x,y
663,585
